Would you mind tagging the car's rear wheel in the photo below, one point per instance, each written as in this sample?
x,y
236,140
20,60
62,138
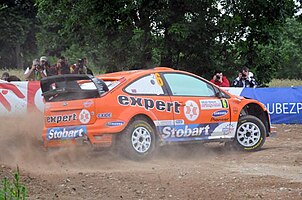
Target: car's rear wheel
x,y
250,133
137,141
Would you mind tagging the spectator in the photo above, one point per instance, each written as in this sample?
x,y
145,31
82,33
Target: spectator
x,y
89,71
44,62
13,78
220,80
8,78
35,72
62,66
245,79
50,70
78,68
5,76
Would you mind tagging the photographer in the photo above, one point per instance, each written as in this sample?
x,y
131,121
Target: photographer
x,y
62,66
35,72
79,67
220,80
245,79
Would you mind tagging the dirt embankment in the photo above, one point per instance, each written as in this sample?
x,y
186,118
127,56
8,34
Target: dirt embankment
x,y
207,171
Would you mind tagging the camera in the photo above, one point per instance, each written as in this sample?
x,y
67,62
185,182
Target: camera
x,y
217,78
244,76
38,67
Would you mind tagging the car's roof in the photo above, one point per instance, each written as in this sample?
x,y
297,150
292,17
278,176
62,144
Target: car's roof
x,y
133,73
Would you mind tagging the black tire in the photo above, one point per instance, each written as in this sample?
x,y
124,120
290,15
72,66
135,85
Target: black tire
x,y
137,141
250,134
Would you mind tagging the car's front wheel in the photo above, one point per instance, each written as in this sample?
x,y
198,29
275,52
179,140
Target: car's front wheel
x,y
137,141
250,133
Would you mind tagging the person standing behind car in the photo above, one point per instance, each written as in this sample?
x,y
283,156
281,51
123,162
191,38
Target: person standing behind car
x,y
62,66
44,62
89,71
245,79
220,80
35,72
78,68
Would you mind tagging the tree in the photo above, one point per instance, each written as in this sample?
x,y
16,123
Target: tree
x,y
198,36
18,29
252,24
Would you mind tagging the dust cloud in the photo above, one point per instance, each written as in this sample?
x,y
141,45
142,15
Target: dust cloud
x,y
21,144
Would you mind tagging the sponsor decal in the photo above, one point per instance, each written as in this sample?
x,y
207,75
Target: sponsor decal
x,y
169,122
219,119
158,79
164,122
87,104
62,133
290,108
191,110
228,129
149,104
220,113
224,103
185,131
117,123
179,122
213,104
104,115
84,116
61,118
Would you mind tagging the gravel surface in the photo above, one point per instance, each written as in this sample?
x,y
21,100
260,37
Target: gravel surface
x,y
209,171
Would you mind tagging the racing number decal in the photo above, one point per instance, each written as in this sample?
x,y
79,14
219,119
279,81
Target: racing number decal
x,y
158,79
224,103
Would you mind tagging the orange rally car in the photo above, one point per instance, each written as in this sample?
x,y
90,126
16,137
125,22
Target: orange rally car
x,y
141,109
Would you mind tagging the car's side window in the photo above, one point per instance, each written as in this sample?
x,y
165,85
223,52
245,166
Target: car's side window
x,y
145,85
185,85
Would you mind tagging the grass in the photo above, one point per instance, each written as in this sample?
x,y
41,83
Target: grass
x,y
274,83
12,189
285,83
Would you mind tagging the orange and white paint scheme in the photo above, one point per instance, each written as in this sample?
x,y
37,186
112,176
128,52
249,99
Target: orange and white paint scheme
x,y
141,109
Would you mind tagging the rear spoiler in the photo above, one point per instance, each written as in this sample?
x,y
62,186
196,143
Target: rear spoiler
x,y
68,87
46,82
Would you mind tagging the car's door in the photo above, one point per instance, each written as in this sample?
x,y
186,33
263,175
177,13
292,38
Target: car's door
x,y
203,115
150,95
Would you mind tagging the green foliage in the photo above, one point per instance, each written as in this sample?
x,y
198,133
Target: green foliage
x,y
195,35
12,189
290,50
17,38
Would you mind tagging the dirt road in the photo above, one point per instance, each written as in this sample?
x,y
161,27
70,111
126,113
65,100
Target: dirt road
x,y
208,171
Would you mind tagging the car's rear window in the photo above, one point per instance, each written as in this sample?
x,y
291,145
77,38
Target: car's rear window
x,y
73,89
